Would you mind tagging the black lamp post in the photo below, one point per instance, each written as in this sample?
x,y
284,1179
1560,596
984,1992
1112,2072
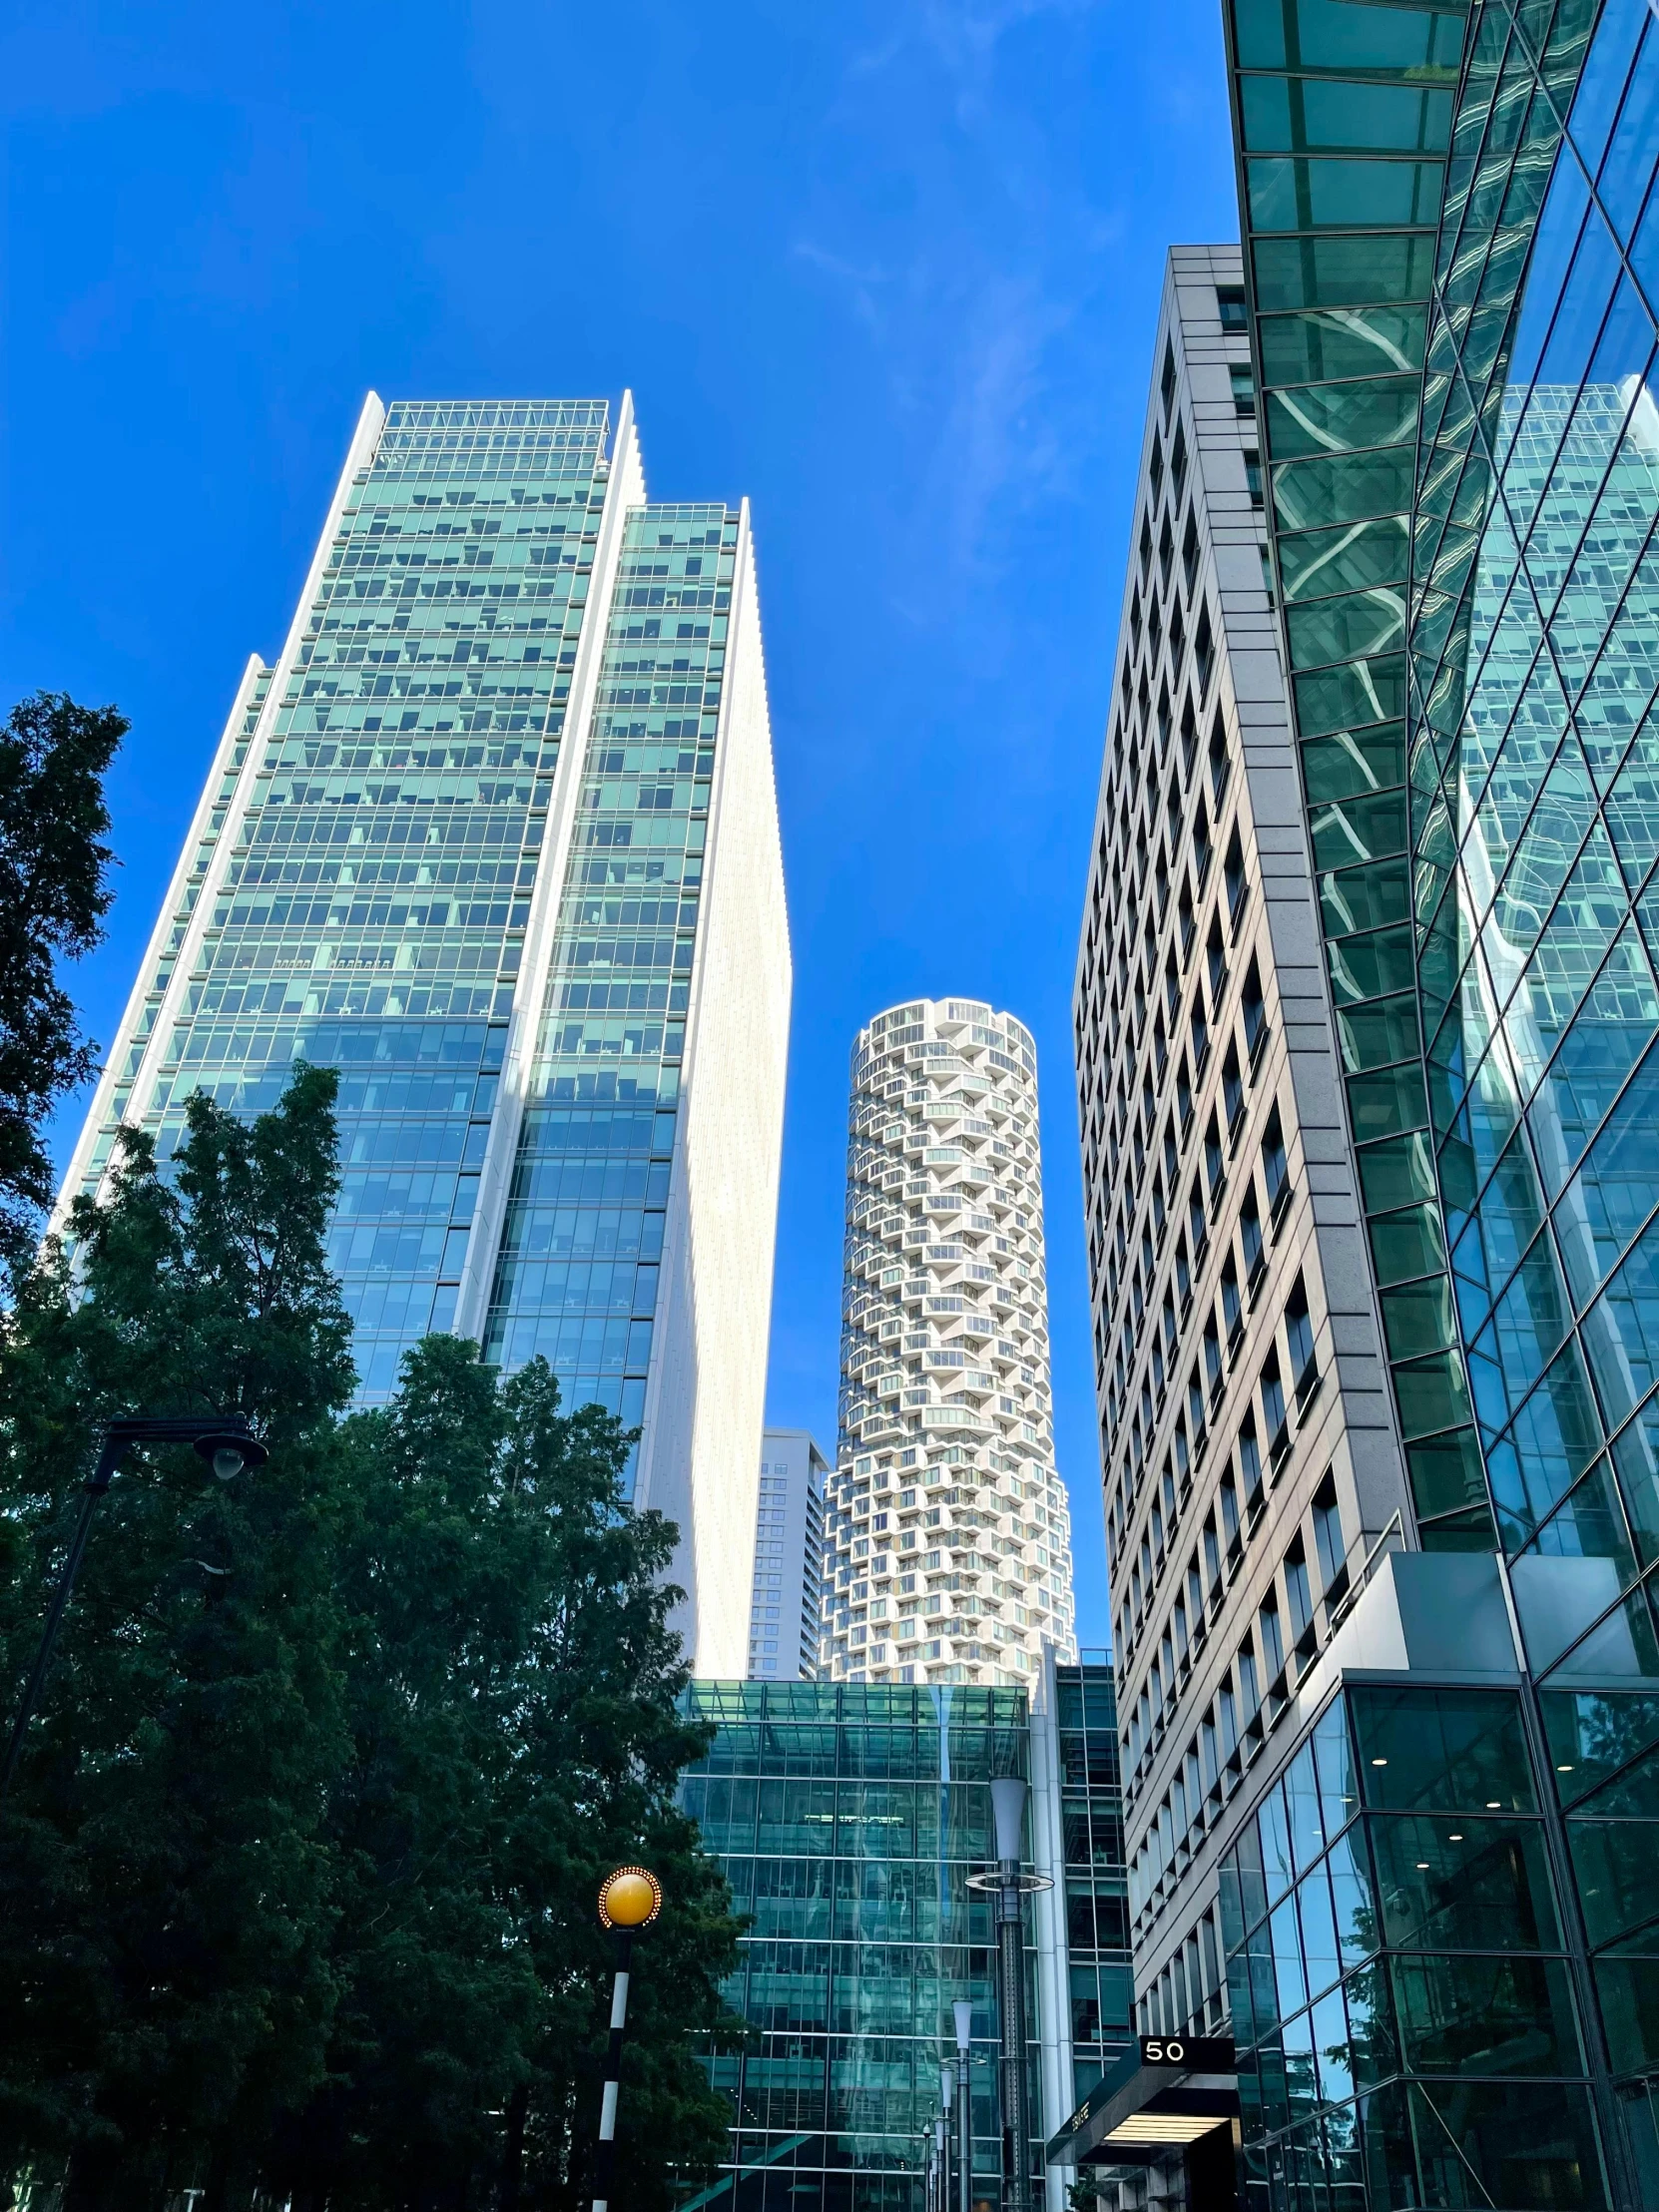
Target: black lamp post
x,y
227,1445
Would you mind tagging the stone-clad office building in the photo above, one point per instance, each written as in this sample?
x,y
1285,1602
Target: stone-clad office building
x,y
1250,1451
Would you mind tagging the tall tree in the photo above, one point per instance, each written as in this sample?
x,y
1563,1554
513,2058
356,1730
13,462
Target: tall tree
x,y
298,1878
166,1890
54,891
513,1695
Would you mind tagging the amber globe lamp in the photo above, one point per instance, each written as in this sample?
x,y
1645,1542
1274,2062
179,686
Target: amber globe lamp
x,y
631,1899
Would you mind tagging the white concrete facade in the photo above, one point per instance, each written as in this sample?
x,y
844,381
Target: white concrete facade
x,y
705,1405
947,1552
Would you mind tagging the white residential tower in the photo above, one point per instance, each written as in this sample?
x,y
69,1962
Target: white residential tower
x,y
947,1547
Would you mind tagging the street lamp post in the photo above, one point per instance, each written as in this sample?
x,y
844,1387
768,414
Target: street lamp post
x,y
629,1900
946,2120
1008,1884
962,2013
227,1445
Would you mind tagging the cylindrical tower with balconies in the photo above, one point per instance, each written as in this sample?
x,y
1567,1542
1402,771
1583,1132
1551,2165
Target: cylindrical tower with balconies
x,y
947,1551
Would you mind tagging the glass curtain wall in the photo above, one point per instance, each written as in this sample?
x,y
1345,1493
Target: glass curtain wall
x,y
848,1818
1535,660
1463,442
576,1278
1400,1999
373,911
1097,1914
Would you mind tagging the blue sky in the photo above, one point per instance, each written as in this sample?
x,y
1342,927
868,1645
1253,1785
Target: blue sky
x,y
890,269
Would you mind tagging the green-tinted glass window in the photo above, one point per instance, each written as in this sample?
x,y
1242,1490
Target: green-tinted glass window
x,y
1311,115
1444,1749
1462,1882
1301,195
1367,967
1315,348
1333,418
1343,270
1415,45
1462,2015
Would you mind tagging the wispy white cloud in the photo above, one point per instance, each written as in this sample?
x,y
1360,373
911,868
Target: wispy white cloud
x,y
860,282
970,293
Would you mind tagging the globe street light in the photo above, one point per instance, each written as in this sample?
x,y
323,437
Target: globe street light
x,y
227,1445
629,1900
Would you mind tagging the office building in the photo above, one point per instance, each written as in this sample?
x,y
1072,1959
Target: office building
x,y
1408,1773
849,1819
1247,1434
495,836
947,1534
788,1546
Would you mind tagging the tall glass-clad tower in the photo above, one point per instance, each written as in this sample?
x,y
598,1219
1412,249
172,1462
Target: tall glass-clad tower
x,y
947,1539
496,837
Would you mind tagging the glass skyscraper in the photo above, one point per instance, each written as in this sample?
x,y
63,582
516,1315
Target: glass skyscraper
x,y
848,1818
1433,1851
495,837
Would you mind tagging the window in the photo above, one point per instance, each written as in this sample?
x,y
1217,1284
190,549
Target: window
x,y
1204,650
1299,1337
1327,1538
1178,464
1249,1695
1234,874
1273,1405
1228,1511
1243,388
1250,1232
1227,1720
1189,553
1232,1306
1232,1087
1202,846
1276,1173
1212,1551
1211,1353
1249,1459
1220,761
1155,470
1255,1010
1253,478
1166,384
1298,1592
1214,1159
1215,959
1272,1638
1230,306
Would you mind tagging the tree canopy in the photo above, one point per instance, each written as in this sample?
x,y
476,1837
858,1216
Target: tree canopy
x,y
54,893
298,1878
